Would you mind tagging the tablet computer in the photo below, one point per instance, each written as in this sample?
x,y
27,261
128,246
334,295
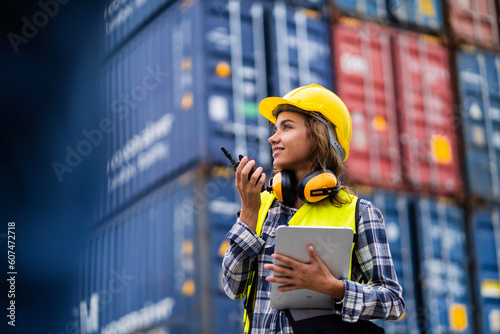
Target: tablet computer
x,y
333,246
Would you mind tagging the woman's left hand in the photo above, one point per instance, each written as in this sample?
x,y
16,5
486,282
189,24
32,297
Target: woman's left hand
x,y
313,276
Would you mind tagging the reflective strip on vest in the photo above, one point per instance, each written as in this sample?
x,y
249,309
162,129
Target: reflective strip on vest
x,y
316,214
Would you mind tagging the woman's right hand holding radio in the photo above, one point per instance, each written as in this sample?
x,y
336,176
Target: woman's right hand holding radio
x,y
249,183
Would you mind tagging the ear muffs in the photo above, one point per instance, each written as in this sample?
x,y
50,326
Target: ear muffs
x,y
283,186
314,187
317,186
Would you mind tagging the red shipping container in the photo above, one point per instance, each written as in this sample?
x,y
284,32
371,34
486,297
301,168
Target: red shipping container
x,y
474,21
425,109
365,82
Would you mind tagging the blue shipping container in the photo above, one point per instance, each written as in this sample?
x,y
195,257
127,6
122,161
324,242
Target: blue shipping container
x,y
138,270
394,207
424,14
367,9
123,17
300,52
443,266
478,74
158,263
486,229
190,82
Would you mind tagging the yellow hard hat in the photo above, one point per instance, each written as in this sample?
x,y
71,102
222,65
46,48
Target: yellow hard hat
x,y
315,99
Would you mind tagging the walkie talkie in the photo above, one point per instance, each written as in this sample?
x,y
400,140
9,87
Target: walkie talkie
x,y
236,163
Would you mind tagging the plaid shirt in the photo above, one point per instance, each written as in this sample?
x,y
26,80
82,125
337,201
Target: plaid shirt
x,y
381,298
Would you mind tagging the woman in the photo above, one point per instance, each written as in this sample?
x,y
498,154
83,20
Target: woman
x,y
312,133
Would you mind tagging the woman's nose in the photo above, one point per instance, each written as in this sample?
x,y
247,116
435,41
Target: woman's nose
x,y
274,138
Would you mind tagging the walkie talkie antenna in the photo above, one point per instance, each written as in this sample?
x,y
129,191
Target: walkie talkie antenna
x,y
228,155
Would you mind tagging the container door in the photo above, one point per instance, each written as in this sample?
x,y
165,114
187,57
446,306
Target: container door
x,y
420,14
395,209
236,80
480,100
474,21
300,49
428,137
443,274
486,225
369,9
364,81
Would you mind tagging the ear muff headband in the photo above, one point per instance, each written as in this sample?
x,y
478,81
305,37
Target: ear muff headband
x,y
275,186
282,184
317,186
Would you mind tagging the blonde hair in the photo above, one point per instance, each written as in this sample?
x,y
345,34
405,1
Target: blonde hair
x,y
322,153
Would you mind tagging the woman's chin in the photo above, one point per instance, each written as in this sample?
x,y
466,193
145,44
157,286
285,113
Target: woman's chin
x,y
277,165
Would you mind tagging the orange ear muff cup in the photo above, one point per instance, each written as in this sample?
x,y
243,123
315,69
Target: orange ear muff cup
x,y
275,186
283,187
317,186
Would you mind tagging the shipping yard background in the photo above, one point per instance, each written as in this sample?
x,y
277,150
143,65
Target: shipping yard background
x,y
122,196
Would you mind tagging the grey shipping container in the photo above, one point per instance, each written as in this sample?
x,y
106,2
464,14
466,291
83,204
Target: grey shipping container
x,y
156,266
190,82
478,78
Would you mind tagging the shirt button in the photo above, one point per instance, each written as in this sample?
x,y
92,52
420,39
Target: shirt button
x,y
350,315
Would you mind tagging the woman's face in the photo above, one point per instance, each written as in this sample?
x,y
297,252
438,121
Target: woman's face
x,y
290,144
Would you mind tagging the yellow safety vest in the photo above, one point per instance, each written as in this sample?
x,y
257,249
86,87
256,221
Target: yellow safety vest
x,y
319,214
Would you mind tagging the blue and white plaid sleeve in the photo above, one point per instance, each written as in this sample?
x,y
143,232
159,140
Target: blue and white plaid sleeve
x,y
382,296
237,262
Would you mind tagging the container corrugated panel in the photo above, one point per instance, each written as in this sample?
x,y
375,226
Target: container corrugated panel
x,y
417,14
138,269
475,21
365,82
486,229
394,207
186,85
300,49
236,73
164,251
427,124
368,9
309,4
123,17
443,266
478,73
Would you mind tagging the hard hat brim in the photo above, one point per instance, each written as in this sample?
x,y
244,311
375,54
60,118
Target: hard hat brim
x,y
269,104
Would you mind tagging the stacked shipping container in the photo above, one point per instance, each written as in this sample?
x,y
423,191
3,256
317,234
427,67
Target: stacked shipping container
x,y
176,90
474,22
365,82
476,124
477,72
485,228
427,127
184,78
